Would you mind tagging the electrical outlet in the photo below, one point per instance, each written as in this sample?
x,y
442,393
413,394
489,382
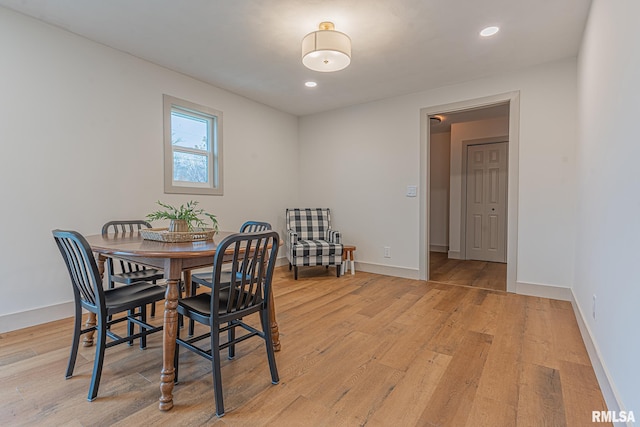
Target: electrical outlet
x,y
387,252
593,311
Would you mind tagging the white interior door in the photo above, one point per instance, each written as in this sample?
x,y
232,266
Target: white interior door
x,y
486,218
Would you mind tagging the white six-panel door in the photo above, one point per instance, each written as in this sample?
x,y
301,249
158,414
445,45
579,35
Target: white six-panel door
x,y
486,218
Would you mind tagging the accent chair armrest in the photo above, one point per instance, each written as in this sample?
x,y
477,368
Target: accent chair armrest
x,y
334,236
293,238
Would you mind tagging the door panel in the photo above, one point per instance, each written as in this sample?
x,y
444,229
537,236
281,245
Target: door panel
x,y
477,232
486,202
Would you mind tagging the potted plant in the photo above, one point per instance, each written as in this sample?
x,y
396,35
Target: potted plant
x,y
183,218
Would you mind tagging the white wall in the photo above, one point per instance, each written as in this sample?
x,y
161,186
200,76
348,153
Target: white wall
x,y
373,151
461,132
81,135
608,225
439,166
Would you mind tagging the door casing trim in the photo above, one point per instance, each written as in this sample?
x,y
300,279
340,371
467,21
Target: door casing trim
x,y
512,191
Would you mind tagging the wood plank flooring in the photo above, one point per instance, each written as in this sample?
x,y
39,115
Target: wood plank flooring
x,y
477,274
357,350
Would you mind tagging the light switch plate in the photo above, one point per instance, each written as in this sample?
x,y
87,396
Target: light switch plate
x,y
412,190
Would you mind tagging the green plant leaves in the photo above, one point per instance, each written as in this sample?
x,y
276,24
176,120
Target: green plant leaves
x,y
187,212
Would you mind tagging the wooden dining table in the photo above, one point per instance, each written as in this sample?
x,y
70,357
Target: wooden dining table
x,y
173,259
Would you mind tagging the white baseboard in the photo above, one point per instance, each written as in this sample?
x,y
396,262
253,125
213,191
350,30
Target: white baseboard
x,y
36,316
439,248
544,291
454,254
388,270
607,386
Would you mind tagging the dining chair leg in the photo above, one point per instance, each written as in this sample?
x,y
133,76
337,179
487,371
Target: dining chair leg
x,y
216,372
191,328
176,354
130,325
266,329
97,363
143,331
295,272
153,305
77,326
231,336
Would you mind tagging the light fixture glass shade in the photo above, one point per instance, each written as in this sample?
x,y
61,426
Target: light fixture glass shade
x,y
326,50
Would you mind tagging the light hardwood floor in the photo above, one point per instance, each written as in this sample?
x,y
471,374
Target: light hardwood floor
x,y
477,274
357,350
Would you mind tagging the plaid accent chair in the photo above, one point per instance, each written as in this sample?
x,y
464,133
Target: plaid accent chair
x,y
311,241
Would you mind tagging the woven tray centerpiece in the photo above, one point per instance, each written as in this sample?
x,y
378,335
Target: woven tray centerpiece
x,y
164,235
185,226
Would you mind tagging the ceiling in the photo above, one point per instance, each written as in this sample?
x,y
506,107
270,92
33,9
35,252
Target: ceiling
x,y
252,47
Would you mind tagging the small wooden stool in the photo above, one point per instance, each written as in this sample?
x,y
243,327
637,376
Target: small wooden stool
x,y
347,256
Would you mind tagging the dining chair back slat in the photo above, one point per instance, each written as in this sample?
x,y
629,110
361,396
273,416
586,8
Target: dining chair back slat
x,y
83,271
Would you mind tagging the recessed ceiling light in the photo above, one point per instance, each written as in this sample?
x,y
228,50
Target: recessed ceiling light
x,y
489,31
311,84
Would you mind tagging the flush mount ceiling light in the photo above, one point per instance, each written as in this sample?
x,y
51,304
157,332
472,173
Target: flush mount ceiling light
x,y
489,31
435,119
326,50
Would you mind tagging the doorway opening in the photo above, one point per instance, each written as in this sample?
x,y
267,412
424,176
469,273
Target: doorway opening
x,y
469,217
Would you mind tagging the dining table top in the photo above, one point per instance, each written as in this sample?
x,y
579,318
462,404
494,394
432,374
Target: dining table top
x,y
133,244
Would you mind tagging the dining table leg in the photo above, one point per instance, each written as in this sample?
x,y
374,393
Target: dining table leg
x,y
172,271
275,333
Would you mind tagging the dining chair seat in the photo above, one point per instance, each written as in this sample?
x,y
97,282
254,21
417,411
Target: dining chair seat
x,y
204,279
127,297
138,275
200,305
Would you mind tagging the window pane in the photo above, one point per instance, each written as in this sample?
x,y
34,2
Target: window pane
x,y
190,167
189,131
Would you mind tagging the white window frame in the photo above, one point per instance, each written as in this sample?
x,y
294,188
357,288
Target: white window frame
x,y
214,152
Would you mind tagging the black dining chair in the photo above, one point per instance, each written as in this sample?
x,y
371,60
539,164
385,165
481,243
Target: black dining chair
x,y
253,257
129,272
89,294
